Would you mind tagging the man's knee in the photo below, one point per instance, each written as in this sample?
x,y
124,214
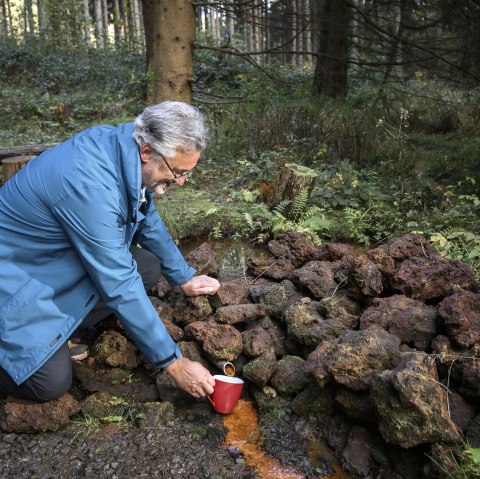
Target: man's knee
x,y
52,386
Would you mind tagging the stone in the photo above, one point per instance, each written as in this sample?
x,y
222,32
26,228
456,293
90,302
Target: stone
x,y
432,279
221,341
101,404
308,327
354,358
23,416
298,248
191,309
203,260
256,341
115,350
289,377
461,411
275,331
192,350
313,400
341,308
271,268
411,403
333,251
163,288
239,313
362,446
260,370
356,405
385,263
461,315
315,277
473,433
366,276
409,246
231,292
412,321
276,296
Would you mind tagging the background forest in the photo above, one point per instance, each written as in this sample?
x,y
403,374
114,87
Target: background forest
x,y
380,98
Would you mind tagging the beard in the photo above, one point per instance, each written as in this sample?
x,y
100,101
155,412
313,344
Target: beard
x,y
158,187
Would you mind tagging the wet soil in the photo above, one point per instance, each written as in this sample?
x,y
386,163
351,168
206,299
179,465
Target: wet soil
x,y
190,445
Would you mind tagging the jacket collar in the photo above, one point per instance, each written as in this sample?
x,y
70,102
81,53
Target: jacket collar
x,y
129,163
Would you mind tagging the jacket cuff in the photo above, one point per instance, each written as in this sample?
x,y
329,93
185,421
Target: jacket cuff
x,y
170,359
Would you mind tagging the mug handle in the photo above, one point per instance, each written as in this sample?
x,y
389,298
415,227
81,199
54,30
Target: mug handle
x,y
210,399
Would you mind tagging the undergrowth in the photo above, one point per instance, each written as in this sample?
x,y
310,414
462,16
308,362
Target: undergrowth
x,y
385,166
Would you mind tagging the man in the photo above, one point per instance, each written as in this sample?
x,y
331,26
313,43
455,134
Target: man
x,y
70,223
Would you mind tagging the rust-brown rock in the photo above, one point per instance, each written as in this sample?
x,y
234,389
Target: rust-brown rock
x,y
276,296
367,276
232,292
203,260
298,248
409,246
22,416
271,268
221,341
412,404
239,313
115,350
412,321
308,327
191,309
428,279
289,377
461,315
256,341
354,358
260,370
316,277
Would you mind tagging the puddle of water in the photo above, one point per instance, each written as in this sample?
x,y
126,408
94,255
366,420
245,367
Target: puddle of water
x,y
244,433
230,255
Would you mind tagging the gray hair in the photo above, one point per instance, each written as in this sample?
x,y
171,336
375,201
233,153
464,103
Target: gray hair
x,y
170,126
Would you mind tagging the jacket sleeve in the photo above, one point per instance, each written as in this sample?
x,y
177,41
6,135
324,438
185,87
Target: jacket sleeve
x,y
155,237
92,219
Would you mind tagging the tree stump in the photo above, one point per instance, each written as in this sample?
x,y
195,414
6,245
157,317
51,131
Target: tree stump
x,y
290,181
13,165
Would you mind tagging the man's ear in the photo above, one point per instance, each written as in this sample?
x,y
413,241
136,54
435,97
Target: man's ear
x,y
145,153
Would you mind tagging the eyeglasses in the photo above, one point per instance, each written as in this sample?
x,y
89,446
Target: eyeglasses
x,y
176,175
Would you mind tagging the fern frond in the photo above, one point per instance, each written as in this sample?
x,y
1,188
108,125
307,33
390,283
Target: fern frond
x,y
281,207
300,203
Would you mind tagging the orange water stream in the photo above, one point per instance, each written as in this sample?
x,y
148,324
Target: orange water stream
x,y
244,433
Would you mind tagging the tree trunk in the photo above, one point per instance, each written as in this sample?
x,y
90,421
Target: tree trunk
x,y
97,9
29,23
4,31
86,22
13,165
42,17
331,69
126,24
105,23
116,23
148,8
292,179
171,68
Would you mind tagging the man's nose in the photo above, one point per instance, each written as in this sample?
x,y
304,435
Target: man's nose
x,y
180,181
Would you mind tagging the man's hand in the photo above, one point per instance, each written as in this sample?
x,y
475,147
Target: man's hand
x,y
200,285
192,377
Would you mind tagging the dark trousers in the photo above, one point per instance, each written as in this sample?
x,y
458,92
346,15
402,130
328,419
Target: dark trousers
x,y
54,378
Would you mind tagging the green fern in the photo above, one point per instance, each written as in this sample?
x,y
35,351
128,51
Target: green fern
x,y
300,203
281,207
216,232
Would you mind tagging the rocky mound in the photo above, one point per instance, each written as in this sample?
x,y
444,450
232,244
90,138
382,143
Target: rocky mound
x,y
376,354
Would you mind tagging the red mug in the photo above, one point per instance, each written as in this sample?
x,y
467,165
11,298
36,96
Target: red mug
x,y
225,394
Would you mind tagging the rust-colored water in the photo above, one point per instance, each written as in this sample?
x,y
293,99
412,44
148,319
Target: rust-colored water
x,y
229,370
244,433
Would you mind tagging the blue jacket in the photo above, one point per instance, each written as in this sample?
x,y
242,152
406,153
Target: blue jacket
x,y
67,220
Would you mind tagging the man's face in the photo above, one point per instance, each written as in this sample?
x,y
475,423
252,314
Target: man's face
x,y
156,175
